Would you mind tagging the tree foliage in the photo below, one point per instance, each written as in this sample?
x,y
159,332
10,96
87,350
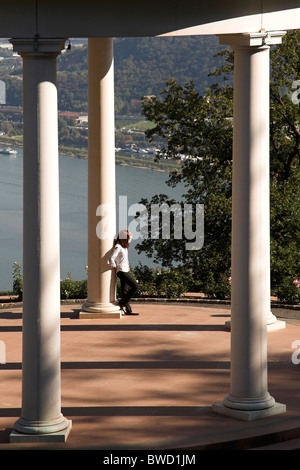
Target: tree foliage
x,y
143,65
285,166
200,127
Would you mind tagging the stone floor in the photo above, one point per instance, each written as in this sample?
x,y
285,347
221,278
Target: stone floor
x,y
148,381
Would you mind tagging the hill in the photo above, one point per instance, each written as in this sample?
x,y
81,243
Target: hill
x,y
142,67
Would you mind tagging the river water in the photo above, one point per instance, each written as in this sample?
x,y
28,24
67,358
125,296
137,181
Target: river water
x,y
134,183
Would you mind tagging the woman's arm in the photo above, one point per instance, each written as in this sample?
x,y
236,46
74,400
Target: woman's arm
x,y
113,256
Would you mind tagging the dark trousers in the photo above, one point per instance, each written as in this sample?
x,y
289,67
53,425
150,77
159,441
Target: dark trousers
x,y
129,287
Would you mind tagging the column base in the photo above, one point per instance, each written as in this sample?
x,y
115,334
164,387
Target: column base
x,y
273,324
27,431
97,310
249,415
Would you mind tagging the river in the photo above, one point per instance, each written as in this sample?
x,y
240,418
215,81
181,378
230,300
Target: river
x,y
134,183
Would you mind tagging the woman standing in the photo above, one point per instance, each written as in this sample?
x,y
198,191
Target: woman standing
x,y
119,261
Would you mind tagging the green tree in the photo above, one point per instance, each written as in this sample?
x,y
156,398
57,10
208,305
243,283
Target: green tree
x,y
200,127
285,166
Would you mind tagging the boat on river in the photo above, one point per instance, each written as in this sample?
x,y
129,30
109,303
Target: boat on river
x,y
8,151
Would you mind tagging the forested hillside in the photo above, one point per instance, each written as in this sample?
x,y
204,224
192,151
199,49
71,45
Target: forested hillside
x,y
142,67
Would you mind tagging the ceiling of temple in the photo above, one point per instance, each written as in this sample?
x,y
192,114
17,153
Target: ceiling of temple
x,y
112,18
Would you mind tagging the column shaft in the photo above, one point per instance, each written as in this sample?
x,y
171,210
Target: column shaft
x,y
41,388
101,181
250,235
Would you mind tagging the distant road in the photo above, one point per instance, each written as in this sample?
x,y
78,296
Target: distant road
x,y
19,110
11,109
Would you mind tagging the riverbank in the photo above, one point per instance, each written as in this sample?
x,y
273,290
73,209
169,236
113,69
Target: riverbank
x,y
144,163
11,141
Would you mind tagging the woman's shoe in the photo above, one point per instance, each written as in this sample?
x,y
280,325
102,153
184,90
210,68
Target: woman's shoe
x,y
128,309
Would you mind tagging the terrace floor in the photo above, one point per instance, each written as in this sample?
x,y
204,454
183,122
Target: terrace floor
x,y
148,381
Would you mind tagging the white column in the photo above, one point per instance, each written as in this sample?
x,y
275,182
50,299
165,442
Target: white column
x,y
250,297
41,392
101,301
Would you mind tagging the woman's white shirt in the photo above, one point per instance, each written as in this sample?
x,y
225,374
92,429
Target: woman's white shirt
x,y
119,259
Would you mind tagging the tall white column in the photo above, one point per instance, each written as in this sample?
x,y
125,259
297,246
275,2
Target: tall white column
x,y
250,297
41,387
101,301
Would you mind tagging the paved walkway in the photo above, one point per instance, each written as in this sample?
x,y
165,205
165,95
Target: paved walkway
x,y
148,381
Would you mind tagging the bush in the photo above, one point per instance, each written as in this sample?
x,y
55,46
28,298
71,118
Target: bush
x,y
165,283
146,278
161,282
69,288
217,287
174,282
171,284
17,280
289,291
72,289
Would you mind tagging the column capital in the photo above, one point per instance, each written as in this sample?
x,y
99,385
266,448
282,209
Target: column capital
x,y
38,46
262,38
